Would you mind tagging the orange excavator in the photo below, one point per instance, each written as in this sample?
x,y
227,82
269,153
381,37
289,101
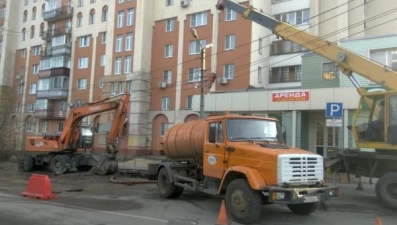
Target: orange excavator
x,y
71,148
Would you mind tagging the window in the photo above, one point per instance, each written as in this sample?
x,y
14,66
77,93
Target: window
x,y
121,87
42,10
44,127
198,19
194,75
330,71
104,37
100,83
230,42
168,51
36,50
121,1
229,71
195,46
43,84
91,19
60,125
59,40
260,46
79,20
120,19
386,57
163,129
35,69
119,43
104,13
22,71
18,107
259,74
23,53
117,66
127,64
62,106
3,12
59,82
167,76
80,3
129,86
83,62
84,41
285,47
31,107
29,126
169,25
41,29
32,32
34,13
20,89
130,17
295,17
112,88
92,1
189,102
103,60
230,15
285,74
165,103
128,42
32,89
23,34
81,84
25,16
169,2
41,103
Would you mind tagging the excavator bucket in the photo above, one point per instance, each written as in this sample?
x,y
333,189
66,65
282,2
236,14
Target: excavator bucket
x,y
104,165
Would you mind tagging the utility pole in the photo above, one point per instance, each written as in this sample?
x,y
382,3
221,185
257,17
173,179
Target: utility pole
x,y
202,72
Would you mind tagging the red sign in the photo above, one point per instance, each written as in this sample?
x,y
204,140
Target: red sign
x,y
290,96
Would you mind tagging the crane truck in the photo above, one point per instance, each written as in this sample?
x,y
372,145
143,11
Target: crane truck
x,y
243,158
69,149
381,163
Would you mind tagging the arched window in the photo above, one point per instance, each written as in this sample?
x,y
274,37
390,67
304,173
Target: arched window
x,y
34,13
79,19
25,16
42,10
32,32
105,13
92,17
42,29
23,34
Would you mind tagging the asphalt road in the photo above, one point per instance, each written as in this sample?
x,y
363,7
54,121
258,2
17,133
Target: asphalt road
x,y
100,202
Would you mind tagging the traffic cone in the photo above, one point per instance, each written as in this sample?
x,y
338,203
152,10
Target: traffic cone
x,y
222,217
378,221
39,187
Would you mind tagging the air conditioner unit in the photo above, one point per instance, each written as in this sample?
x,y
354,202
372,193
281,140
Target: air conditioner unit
x,y
184,3
222,80
70,104
162,85
18,77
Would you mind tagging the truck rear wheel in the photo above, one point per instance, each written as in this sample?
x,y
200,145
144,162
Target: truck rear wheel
x,y
166,188
243,203
304,208
386,190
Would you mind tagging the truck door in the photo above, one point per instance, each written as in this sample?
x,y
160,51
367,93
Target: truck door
x,y
214,151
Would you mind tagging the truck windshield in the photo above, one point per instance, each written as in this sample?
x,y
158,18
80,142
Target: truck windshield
x,y
252,130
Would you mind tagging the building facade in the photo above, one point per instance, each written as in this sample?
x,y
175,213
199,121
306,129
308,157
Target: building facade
x,y
65,53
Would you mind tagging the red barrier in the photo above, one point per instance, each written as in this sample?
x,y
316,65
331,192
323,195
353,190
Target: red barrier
x,y
39,187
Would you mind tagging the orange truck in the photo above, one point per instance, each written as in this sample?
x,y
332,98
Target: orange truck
x,y
244,158
71,148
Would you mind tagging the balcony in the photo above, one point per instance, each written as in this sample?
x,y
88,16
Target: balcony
x,y
58,14
57,50
60,71
53,93
43,113
49,34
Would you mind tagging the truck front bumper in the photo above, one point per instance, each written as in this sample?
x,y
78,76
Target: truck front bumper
x,y
300,195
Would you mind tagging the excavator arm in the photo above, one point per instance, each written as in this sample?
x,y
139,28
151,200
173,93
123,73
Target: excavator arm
x,y
120,106
349,63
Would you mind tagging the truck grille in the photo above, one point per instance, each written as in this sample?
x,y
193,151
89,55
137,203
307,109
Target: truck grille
x,y
299,169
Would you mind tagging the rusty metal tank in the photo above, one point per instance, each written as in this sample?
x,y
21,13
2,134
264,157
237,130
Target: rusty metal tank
x,y
185,140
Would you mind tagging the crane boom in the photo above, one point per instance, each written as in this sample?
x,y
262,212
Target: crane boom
x,y
347,61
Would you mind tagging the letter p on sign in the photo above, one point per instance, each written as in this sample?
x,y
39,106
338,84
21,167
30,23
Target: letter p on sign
x,y
334,110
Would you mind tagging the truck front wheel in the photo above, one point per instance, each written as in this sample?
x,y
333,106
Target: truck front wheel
x,y
304,208
386,190
243,203
166,188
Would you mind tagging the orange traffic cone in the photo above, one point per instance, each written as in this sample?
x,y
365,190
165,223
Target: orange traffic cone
x,y
378,221
222,217
39,187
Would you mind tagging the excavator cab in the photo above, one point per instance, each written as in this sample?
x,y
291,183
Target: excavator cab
x,y
375,122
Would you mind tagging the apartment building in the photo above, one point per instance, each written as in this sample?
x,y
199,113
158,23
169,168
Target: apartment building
x,y
68,53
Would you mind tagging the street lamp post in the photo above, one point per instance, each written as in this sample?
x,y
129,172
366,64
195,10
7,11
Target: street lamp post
x,y
202,73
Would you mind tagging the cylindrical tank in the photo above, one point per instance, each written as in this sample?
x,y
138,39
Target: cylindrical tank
x,y
185,140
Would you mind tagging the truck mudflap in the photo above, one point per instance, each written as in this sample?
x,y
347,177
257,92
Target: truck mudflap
x,y
300,195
